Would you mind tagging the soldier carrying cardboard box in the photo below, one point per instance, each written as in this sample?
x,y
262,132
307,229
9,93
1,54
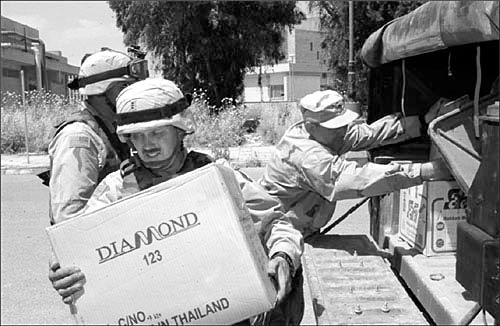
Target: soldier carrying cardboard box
x,y
153,118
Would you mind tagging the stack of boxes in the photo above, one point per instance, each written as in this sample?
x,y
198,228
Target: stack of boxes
x,y
426,216
429,214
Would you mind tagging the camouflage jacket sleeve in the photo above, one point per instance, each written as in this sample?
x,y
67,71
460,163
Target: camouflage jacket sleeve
x,y
112,188
77,154
385,131
273,226
335,178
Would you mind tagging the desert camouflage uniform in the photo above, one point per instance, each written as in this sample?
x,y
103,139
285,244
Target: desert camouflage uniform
x,y
309,178
81,155
274,228
265,210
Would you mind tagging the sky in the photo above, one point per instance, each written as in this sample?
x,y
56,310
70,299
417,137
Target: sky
x,y
73,27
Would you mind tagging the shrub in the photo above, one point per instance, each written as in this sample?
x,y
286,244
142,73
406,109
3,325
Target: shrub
x,y
275,119
43,111
216,128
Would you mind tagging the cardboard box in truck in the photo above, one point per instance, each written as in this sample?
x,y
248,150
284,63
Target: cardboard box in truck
x,y
429,214
182,252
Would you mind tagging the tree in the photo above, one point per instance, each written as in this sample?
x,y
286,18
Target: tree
x,y
208,44
368,17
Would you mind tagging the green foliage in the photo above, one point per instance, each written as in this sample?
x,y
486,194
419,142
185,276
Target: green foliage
x,y
43,111
368,17
208,44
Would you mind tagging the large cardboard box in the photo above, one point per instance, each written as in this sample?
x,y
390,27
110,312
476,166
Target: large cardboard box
x,y
183,252
429,214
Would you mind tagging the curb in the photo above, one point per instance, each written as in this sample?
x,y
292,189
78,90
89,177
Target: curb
x,y
240,157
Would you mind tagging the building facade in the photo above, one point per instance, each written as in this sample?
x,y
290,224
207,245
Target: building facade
x,y
23,50
303,70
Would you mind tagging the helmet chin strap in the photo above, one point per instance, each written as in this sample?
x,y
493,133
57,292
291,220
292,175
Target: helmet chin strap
x,y
104,105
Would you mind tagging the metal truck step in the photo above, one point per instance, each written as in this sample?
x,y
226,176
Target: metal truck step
x,y
432,280
351,283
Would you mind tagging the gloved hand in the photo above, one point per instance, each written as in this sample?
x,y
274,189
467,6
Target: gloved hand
x,y
435,170
67,281
281,271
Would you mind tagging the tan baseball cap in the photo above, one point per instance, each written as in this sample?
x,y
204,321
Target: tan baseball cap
x,y
329,108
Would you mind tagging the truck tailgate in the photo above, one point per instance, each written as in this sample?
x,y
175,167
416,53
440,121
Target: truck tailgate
x,y
351,283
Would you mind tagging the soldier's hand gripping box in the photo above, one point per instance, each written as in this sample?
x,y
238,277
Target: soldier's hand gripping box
x,y
429,214
183,252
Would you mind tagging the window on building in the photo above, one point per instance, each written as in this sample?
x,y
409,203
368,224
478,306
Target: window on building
x,y
277,91
317,55
6,72
311,46
323,75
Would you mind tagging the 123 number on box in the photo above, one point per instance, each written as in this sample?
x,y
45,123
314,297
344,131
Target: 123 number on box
x,y
152,257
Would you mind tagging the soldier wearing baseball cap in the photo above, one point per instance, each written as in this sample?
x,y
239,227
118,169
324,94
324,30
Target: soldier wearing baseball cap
x,y
85,147
153,118
329,109
309,172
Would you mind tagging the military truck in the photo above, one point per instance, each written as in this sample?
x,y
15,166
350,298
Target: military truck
x,y
440,239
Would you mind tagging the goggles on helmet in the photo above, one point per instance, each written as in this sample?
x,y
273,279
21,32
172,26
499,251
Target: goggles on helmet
x,y
137,68
164,112
135,52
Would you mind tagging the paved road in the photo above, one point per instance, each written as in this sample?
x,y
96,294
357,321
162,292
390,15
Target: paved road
x,y
27,296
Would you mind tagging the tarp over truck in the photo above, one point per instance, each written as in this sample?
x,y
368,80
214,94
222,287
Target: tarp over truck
x,y
433,26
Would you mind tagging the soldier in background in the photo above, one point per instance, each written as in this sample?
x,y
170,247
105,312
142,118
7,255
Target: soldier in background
x,y
85,147
308,171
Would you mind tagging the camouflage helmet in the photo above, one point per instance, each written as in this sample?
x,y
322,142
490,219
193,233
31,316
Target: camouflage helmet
x,y
152,103
100,62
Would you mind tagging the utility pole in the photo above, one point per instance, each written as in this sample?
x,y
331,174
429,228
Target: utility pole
x,y
23,99
290,62
259,81
351,102
350,68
